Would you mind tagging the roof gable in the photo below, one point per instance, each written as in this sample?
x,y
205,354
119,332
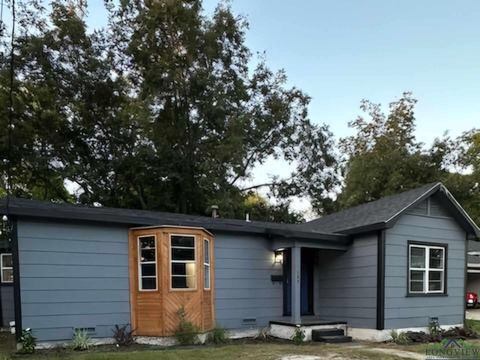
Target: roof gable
x,y
383,213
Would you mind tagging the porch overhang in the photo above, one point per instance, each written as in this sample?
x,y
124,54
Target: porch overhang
x,y
303,239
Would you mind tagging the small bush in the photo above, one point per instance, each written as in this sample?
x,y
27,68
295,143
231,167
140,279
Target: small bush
x,y
186,333
123,335
298,336
394,335
28,342
400,338
217,336
403,339
434,328
81,340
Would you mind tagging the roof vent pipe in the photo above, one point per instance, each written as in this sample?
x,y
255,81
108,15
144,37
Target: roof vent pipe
x,y
214,211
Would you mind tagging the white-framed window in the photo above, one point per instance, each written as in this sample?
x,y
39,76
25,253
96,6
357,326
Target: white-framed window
x,y
206,264
183,263
426,269
6,268
147,263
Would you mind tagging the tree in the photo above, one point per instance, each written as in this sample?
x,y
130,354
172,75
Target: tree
x,y
162,110
384,158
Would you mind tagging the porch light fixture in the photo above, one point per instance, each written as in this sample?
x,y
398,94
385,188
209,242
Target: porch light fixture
x,y
278,257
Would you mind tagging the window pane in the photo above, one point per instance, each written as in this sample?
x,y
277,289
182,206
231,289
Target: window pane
x,y
149,283
435,275
416,275
416,286
206,250
147,242
183,282
7,260
417,257
148,270
434,285
436,258
183,254
183,269
148,255
206,280
184,241
7,275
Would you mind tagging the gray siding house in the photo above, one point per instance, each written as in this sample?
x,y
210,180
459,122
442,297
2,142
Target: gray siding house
x,y
394,263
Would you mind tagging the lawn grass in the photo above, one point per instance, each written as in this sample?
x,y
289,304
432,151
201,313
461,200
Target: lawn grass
x,y
473,325
235,350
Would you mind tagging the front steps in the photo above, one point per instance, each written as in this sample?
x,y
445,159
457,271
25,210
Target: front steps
x,y
331,336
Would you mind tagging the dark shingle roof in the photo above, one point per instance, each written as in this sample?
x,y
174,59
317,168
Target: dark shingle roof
x,y
132,217
375,213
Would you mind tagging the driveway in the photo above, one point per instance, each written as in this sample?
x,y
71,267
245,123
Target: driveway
x,y
473,314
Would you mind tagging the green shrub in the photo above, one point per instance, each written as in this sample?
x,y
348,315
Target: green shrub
x,y
123,335
186,333
434,328
298,336
28,342
399,338
394,335
217,336
81,340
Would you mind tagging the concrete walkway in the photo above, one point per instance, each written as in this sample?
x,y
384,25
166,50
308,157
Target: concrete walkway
x,y
473,314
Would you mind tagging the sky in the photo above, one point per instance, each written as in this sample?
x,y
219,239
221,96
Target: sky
x,y
340,52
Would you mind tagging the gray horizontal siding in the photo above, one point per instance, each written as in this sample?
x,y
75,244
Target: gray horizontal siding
x,y
8,305
346,283
243,286
402,311
73,275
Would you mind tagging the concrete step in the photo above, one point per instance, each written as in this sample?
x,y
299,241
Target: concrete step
x,y
316,333
334,339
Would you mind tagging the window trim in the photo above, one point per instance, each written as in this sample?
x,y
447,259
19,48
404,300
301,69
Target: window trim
x,y
139,254
170,261
205,265
428,245
2,255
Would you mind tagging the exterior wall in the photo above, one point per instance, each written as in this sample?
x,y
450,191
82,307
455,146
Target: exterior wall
x,y
8,304
402,311
346,283
245,296
73,275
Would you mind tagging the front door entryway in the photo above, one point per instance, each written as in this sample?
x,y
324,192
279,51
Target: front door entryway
x,y
306,282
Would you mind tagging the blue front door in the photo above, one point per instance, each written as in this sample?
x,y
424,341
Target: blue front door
x,y
306,283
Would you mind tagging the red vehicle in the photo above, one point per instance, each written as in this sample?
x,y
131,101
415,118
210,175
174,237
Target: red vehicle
x,y
472,299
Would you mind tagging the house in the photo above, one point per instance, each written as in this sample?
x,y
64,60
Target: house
x,y
395,263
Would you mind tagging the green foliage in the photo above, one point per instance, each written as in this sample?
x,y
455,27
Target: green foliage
x,y
298,336
186,333
27,342
123,335
383,157
160,110
434,328
217,336
399,338
81,340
